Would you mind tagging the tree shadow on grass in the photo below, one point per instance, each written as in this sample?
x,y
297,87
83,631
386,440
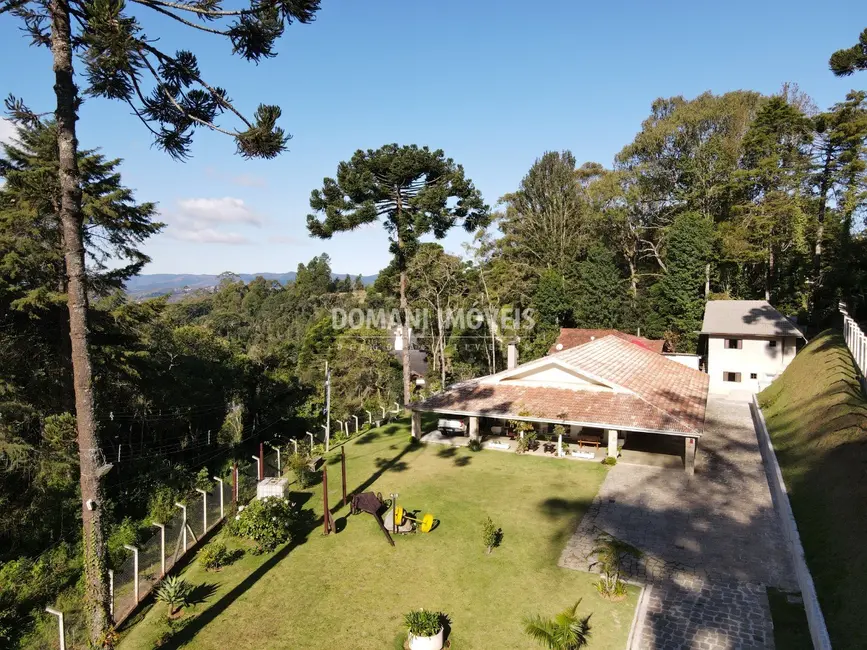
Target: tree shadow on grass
x,y
200,593
463,461
447,452
367,438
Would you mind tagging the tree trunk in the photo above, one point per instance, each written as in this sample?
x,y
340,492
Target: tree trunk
x,y
442,344
706,280
404,306
769,275
96,591
820,230
633,280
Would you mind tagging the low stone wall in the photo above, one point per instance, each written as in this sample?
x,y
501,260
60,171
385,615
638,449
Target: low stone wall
x,y
815,619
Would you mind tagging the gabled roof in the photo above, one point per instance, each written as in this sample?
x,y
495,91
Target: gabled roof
x,y
616,385
746,318
571,337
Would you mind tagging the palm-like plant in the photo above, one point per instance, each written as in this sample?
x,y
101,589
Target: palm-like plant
x,y
566,631
174,591
610,553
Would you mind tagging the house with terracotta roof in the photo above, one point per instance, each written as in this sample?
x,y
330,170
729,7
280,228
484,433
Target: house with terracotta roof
x,y
572,337
608,390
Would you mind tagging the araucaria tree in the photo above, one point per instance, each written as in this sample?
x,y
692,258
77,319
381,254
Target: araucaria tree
x,y
846,61
170,96
413,190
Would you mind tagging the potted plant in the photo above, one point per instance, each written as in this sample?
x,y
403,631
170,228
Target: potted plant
x,y
425,630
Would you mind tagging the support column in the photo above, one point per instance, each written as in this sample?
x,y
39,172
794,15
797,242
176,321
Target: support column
x,y
474,428
416,425
612,442
690,445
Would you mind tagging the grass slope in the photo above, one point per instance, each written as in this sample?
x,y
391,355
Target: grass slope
x,y
350,590
817,418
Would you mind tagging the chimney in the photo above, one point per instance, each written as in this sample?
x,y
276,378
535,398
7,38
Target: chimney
x,y
512,358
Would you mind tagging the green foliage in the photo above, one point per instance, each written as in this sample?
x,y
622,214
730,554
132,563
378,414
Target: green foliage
x,y
126,532
174,591
609,460
601,294
215,556
474,445
566,631
848,60
527,442
161,505
266,522
423,622
610,554
553,301
492,536
299,463
680,293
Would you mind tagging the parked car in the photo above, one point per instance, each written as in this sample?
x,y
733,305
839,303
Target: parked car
x,y
452,427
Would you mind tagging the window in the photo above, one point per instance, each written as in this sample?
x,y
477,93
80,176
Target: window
x,y
734,344
772,344
732,376
754,375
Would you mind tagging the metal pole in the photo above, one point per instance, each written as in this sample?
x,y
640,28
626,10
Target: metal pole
x,y
261,460
220,482
327,407
135,566
343,471
356,423
162,547
295,442
369,417
184,525
111,594
204,509
325,529
61,627
118,451
258,467
311,442
234,482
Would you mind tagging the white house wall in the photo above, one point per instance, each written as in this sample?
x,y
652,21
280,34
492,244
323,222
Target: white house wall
x,y
756,356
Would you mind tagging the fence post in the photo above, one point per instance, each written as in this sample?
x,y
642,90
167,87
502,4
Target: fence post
x,y
61,627
204,510
134,568
162,528
356,423
184,524
258,466
343,471
369,417
111,594
220,483
234,482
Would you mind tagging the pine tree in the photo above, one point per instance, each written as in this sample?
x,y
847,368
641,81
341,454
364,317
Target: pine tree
x,y
680,293
848,60
118,57
358,285
600,299
414,190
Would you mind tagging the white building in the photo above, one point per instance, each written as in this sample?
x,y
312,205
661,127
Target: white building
x,y
747,344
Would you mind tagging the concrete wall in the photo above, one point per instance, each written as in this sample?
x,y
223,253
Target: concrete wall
x,y
756,356
688,360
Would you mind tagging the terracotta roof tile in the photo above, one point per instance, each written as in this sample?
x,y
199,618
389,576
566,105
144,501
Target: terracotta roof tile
x,y
572,337
660,394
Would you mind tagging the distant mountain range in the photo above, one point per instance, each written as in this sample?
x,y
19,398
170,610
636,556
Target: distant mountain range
x,y
159,284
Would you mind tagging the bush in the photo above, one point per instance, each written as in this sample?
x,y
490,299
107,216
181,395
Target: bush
x,y
174,591
215,556
609,460
266,522
423,623
527,443
611,553
474,445
300,466
161,506
491,535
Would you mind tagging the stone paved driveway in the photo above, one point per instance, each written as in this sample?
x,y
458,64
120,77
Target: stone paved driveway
x,y
711,542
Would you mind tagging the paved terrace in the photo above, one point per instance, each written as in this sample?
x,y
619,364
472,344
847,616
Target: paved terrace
x,y
712,542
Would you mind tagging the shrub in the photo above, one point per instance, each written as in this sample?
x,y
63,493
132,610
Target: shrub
x,y
610,554
474,445
423,623
609,460
527,443
566,631
266,522
491,535
300,466
174,591
215,556
161,506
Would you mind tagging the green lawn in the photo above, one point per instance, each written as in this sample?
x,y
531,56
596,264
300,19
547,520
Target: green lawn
x,y
350,590
817,418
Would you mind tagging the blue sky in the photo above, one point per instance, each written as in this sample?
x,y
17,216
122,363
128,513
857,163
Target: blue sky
x,y
494,84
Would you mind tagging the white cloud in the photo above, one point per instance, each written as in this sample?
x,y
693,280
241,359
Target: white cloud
x,y
7,130
285,239
224,210
209,236
248,180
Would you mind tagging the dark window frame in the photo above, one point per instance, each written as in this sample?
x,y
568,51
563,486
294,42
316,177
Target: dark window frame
x,y
732,377
738,344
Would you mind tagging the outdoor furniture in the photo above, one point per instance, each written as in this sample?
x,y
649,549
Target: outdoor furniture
x,y
550,448
594,442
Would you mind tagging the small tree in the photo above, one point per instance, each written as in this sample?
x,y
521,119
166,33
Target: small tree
x,y
610,554
566,631
174,591
492,536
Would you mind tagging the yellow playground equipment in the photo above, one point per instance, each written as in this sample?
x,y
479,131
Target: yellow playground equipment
x,y
424,524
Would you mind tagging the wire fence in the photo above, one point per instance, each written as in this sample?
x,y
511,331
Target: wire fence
x,y
145,564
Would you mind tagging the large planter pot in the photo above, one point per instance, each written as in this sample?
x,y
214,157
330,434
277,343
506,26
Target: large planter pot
x,y
426,642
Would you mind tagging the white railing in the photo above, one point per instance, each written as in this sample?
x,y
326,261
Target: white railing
x,y
855,339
